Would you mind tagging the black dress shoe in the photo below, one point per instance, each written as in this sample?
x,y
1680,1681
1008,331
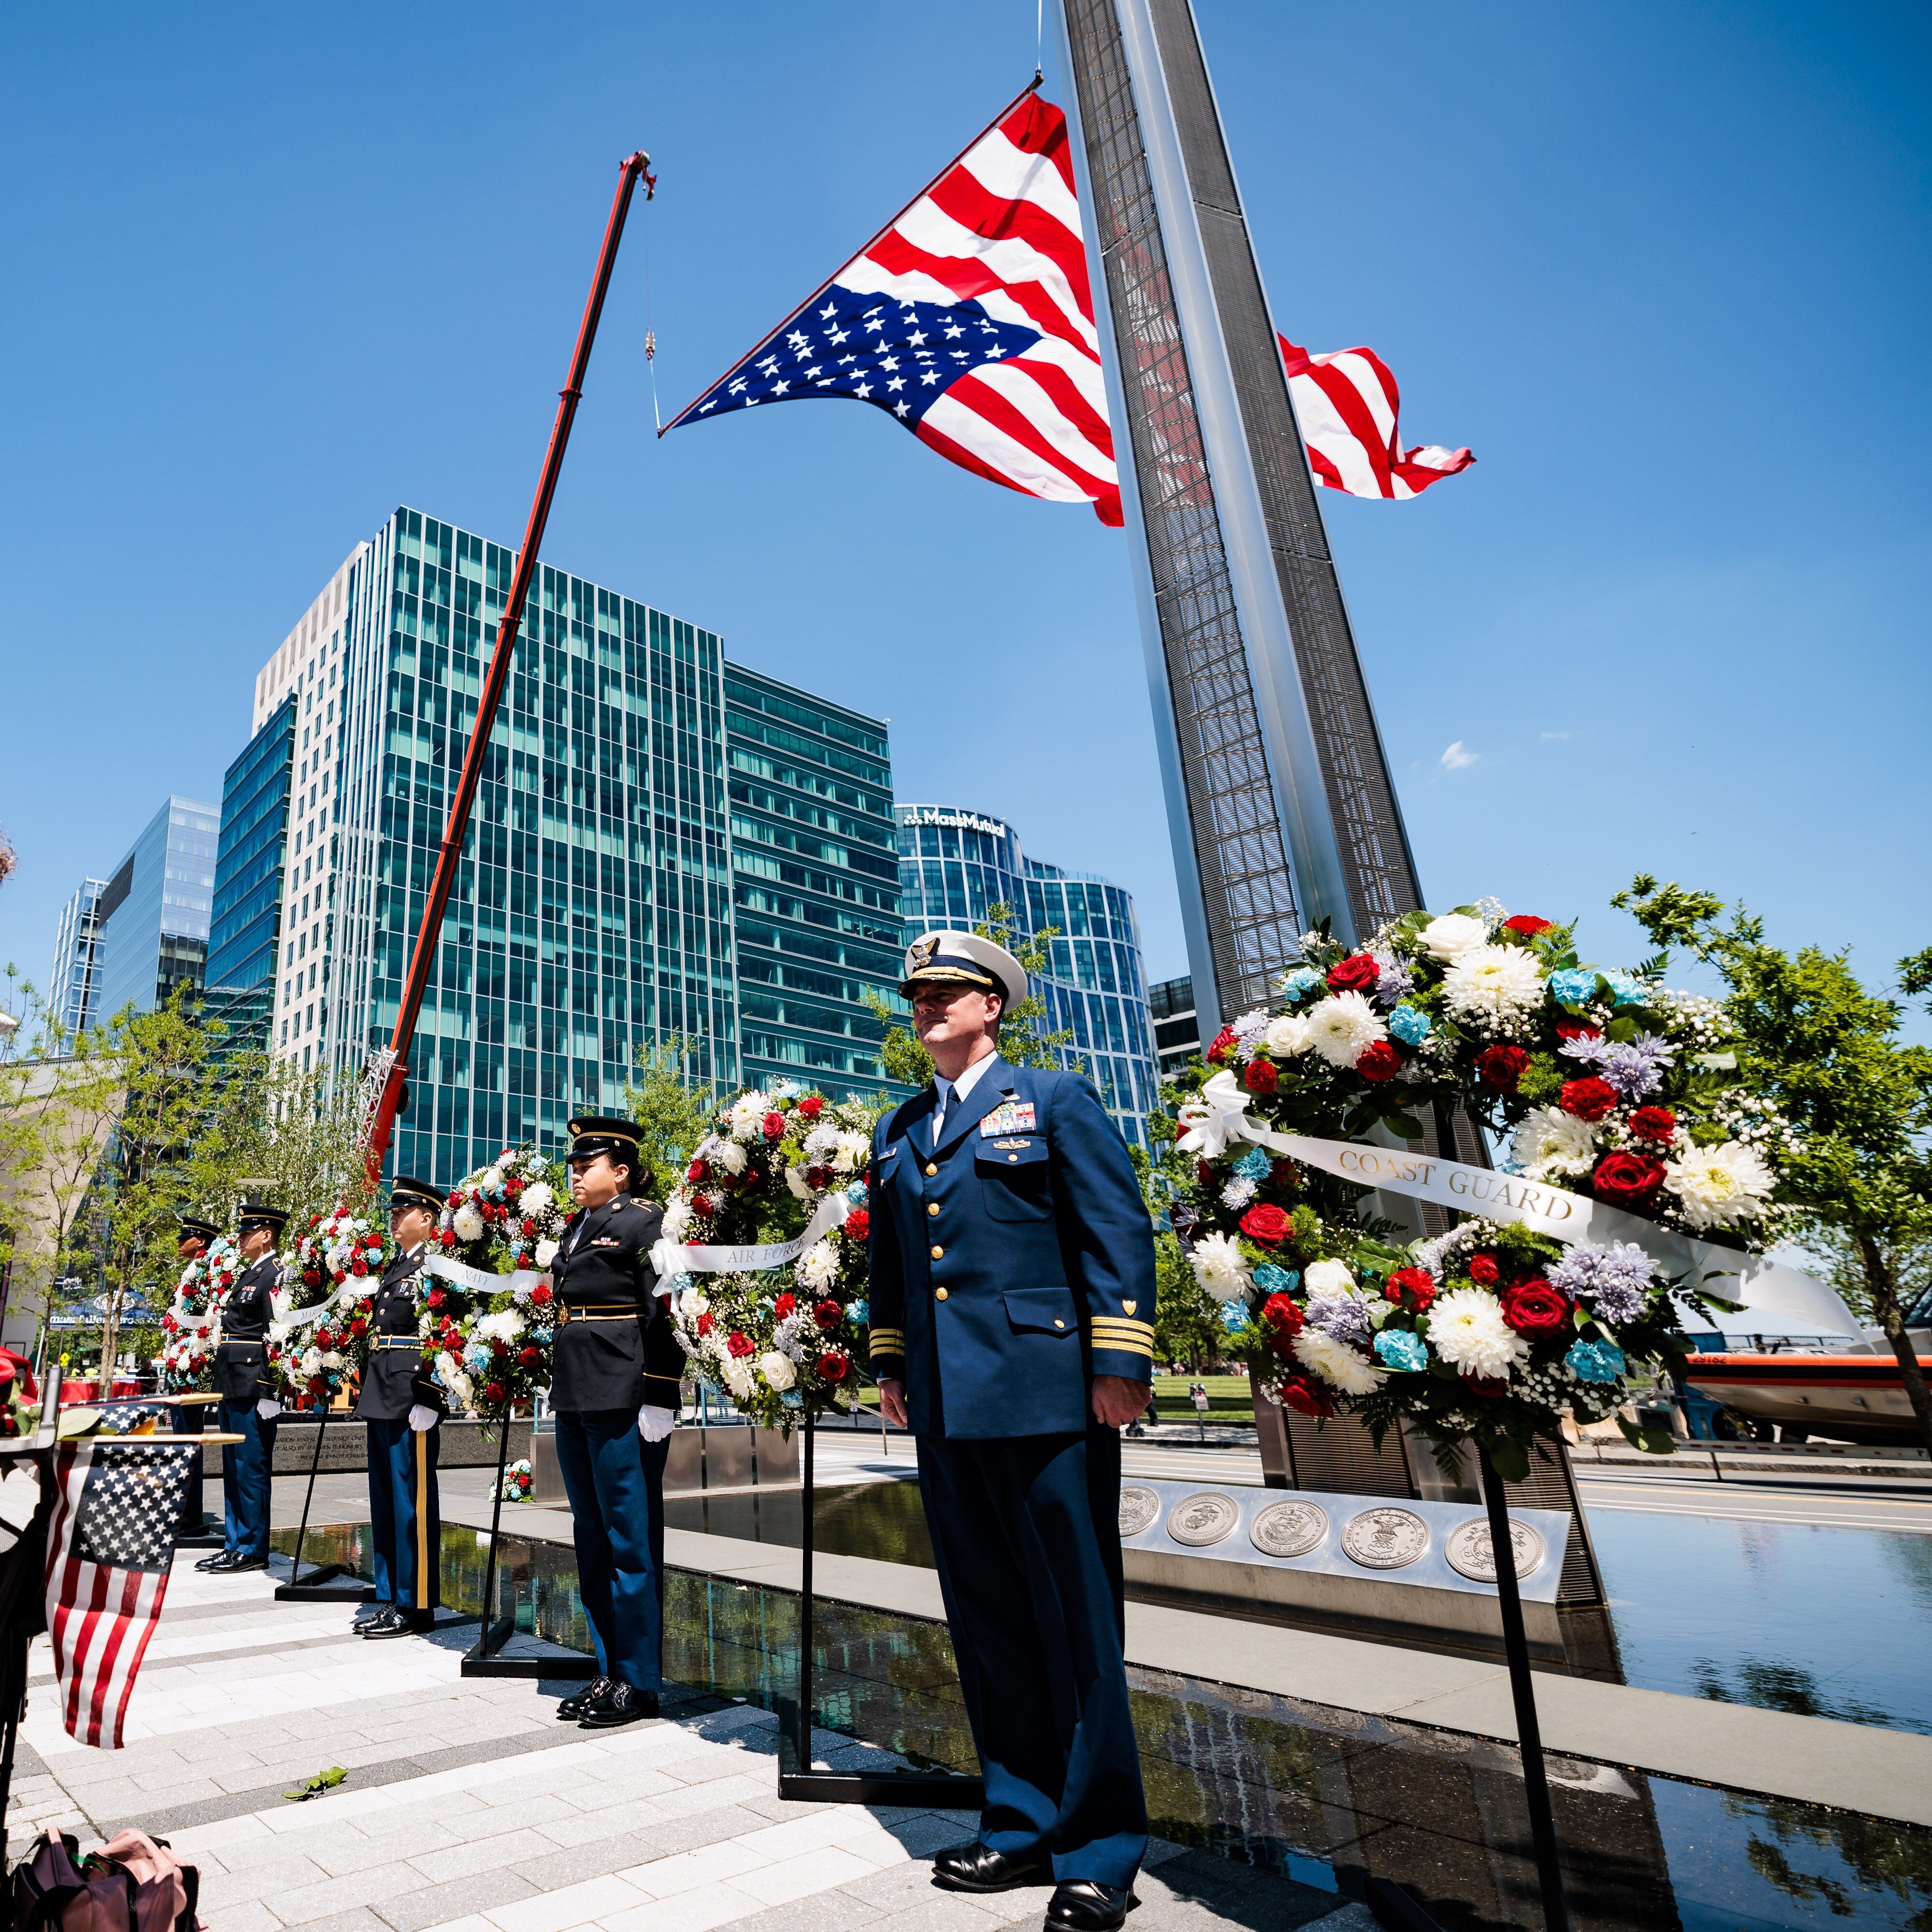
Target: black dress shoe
x,y
978,1867
620,1703
246,1563
219,1561
220,1566
574,1707
389,1623
368,1615
1085,1905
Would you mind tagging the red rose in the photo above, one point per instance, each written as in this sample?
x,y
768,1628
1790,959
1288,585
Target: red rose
x,y
1204,1174
828,1314
1577,1029
358,1266
1355,974
1378,1060
858,1224
811,1106
1654,1123
696,1172
514,1185
1259,1076
834,1365
530,1357
700,1206
1264,1222
530,1231
456,1199
1283,1316
1502,1067
448,1237
1490,1388
1627,1180
706,1323
1301,1395
540,1295
1285,1175
1482,1271
741,1344
437,1297
312,1277
784,1306
1534,1306
774,1127
1588,1098
1223,1040
1412,1289
358,1326
1528,924
818,1178
494,1393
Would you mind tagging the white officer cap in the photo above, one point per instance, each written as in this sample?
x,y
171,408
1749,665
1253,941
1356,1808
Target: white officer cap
x,y
966,959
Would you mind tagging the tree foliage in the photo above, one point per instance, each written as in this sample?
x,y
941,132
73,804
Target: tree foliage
x,y
1825,1049
673,1111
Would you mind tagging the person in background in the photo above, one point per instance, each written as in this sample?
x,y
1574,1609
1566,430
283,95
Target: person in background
x,y
248,1407
401,1406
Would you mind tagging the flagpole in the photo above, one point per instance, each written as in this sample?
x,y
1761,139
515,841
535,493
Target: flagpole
x,y
382,1119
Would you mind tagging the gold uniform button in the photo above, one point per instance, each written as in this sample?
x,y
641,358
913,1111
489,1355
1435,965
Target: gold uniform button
x,y
938,1253
939,1294
930,1168
1014,1158
1057,1323
932,1207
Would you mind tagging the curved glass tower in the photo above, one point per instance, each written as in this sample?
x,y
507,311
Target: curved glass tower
x,y
954,865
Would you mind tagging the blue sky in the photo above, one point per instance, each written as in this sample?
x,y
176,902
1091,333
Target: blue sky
x,y
274,271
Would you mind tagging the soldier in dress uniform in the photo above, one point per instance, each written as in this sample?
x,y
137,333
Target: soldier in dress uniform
x,y
195,1237
401,1404
248,1405
614,1376
1013,1302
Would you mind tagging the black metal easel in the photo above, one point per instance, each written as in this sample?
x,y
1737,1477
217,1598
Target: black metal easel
x,y
943,1790
482,1659
327,1583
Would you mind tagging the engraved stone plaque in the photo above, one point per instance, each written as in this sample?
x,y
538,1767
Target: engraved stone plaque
x,y
1471,1553
1138,1507
1384,1539
1288,1529
1199,1520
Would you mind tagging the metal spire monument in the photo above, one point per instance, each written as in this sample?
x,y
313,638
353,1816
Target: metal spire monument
x,y
1279,801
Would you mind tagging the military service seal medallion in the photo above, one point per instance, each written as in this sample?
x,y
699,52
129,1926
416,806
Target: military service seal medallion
x,y
1384,1539
1288,1529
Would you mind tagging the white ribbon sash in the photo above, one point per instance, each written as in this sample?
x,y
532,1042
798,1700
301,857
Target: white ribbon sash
x,y
669,1258
1221,1117
480,1281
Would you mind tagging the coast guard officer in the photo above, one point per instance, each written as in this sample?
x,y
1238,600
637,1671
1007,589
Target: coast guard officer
x,y
1012,1301
401,1405
248,1406
614,1376
1013,1326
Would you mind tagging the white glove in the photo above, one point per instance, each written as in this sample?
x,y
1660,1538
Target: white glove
x,y
422,1417
267,1409
655,1424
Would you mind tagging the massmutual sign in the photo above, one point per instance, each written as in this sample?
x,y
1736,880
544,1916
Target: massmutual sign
x,y
961,821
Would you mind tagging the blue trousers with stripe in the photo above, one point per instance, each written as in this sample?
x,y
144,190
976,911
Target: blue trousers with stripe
x,y
245,1487
1026,1538
404,1519
615,1481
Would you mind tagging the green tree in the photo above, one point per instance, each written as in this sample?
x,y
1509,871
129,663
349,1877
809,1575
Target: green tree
x,y
673,1111
1813,1039
1187,1319
1025,1040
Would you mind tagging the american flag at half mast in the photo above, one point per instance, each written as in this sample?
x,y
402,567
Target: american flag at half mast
x,y
968,320
110,1546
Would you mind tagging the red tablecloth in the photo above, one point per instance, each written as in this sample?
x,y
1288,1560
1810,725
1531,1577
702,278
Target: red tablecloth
x,y
126,1387
77,1391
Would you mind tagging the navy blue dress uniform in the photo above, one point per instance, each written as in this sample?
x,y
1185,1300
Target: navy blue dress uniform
x,y
1012,1262
242,1380
616,1353
405,1520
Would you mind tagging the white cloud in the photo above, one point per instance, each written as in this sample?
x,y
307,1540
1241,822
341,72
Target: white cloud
x,y
1455,757
1548,735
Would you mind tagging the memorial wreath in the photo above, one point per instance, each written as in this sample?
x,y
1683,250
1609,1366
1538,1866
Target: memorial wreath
x,y
319,1341
186,1364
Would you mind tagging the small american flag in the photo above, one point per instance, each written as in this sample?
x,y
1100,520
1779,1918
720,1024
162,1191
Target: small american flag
x,y
968,319
1350,412
110,1544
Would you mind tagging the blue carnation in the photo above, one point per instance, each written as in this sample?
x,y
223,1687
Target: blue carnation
x,y
1255,1165
1272,1280
1402,1350
855,1194
1297,982
1595,1361
543,1337
860,1310
1234,1317
1627,989
791,1398
1409,1026
1573,985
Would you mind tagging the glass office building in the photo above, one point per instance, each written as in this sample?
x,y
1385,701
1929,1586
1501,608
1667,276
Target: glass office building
x,y
71,985
1177,1027
155,912
814,884
245,918
955,866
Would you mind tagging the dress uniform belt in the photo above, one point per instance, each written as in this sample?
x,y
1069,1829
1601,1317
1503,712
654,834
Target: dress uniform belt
x,y
602,1313
397,1341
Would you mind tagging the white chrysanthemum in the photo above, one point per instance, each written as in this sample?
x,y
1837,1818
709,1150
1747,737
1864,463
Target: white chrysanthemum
x,y
731,1156
1336,1363
1716,1185
1453,934
777,1370
1341,1026
1287,1035
1467,1330
331,1359
1501,982
818,1266
1550,1142
547,1250
505,1325
676,1219
738,1377
822,1140
747,1117
1218,1268
468,1224
536,1198
1238,1193
1327,1278
854,1151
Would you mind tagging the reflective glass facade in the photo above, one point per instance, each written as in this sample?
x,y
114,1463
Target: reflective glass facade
x,y
955,865
1177,1027
245,921
71,985
814,883
155,910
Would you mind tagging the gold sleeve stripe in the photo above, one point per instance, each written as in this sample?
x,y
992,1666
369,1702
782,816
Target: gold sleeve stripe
x,y
887,1342
1122,1321
1101,1343
1110,1325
